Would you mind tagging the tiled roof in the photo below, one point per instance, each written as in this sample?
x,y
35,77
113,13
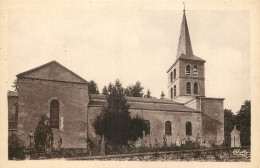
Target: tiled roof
x,y
12,93
145,104
137,99
193,57
160,107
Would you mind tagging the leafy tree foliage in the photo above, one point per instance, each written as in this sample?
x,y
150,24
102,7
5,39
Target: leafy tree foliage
x,y
15,85
135,90
93,88
105,91
229,122
138,128
115,122
243,121
40,134
16,148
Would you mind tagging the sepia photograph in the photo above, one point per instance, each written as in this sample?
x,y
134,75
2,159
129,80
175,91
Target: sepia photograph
x,y
166,81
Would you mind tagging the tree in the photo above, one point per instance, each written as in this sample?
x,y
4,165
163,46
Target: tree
x,y
162,95
243,120
148,94
104,91
138,127
115,122
15,85
93,88
134,90
16,148
40,134
229,122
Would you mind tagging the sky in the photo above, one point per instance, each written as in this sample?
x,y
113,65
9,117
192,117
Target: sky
x,y
133,43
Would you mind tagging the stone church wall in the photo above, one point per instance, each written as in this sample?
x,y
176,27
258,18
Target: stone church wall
x,y
175,81
12,118
193,103
191,62
157,121
212,119
178,121
192,79
12,102
34,100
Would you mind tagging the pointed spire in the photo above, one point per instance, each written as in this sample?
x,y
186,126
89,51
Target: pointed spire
x,y
184,46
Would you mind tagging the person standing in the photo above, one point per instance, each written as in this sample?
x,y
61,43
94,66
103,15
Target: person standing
x,y
90,146
183,141
59,143
164,141
178,141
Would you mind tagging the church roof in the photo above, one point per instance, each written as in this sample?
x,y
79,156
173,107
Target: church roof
x,y
31,73
144,104
185,57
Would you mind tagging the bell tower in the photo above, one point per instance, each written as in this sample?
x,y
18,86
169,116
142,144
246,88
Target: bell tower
x,y
186,78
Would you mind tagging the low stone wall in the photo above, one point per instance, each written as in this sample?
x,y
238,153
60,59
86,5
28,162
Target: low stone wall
x,y
241,154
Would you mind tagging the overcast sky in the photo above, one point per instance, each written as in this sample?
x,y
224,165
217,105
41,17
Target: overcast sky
x,y
137,43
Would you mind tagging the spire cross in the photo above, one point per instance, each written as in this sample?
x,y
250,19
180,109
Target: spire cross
x,y
184,7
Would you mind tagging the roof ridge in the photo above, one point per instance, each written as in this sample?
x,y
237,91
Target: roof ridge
x,y
28,72
140,99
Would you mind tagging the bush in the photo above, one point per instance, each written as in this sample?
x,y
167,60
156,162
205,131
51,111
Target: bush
x,y
16,148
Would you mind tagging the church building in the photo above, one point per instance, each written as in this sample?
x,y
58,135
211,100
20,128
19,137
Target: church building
x,y
63,97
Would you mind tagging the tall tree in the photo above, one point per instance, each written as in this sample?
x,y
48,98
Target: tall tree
x,y
40,134
115,122
135,90
243,120
162,95
229,122
92,87
148,94
104,91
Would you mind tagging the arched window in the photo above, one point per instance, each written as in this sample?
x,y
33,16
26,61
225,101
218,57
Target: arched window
x,y
174,74
174,90
196,88
195,70
171,76
171,93
188,88
188,128
187,70
147,123
168,128
54,113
